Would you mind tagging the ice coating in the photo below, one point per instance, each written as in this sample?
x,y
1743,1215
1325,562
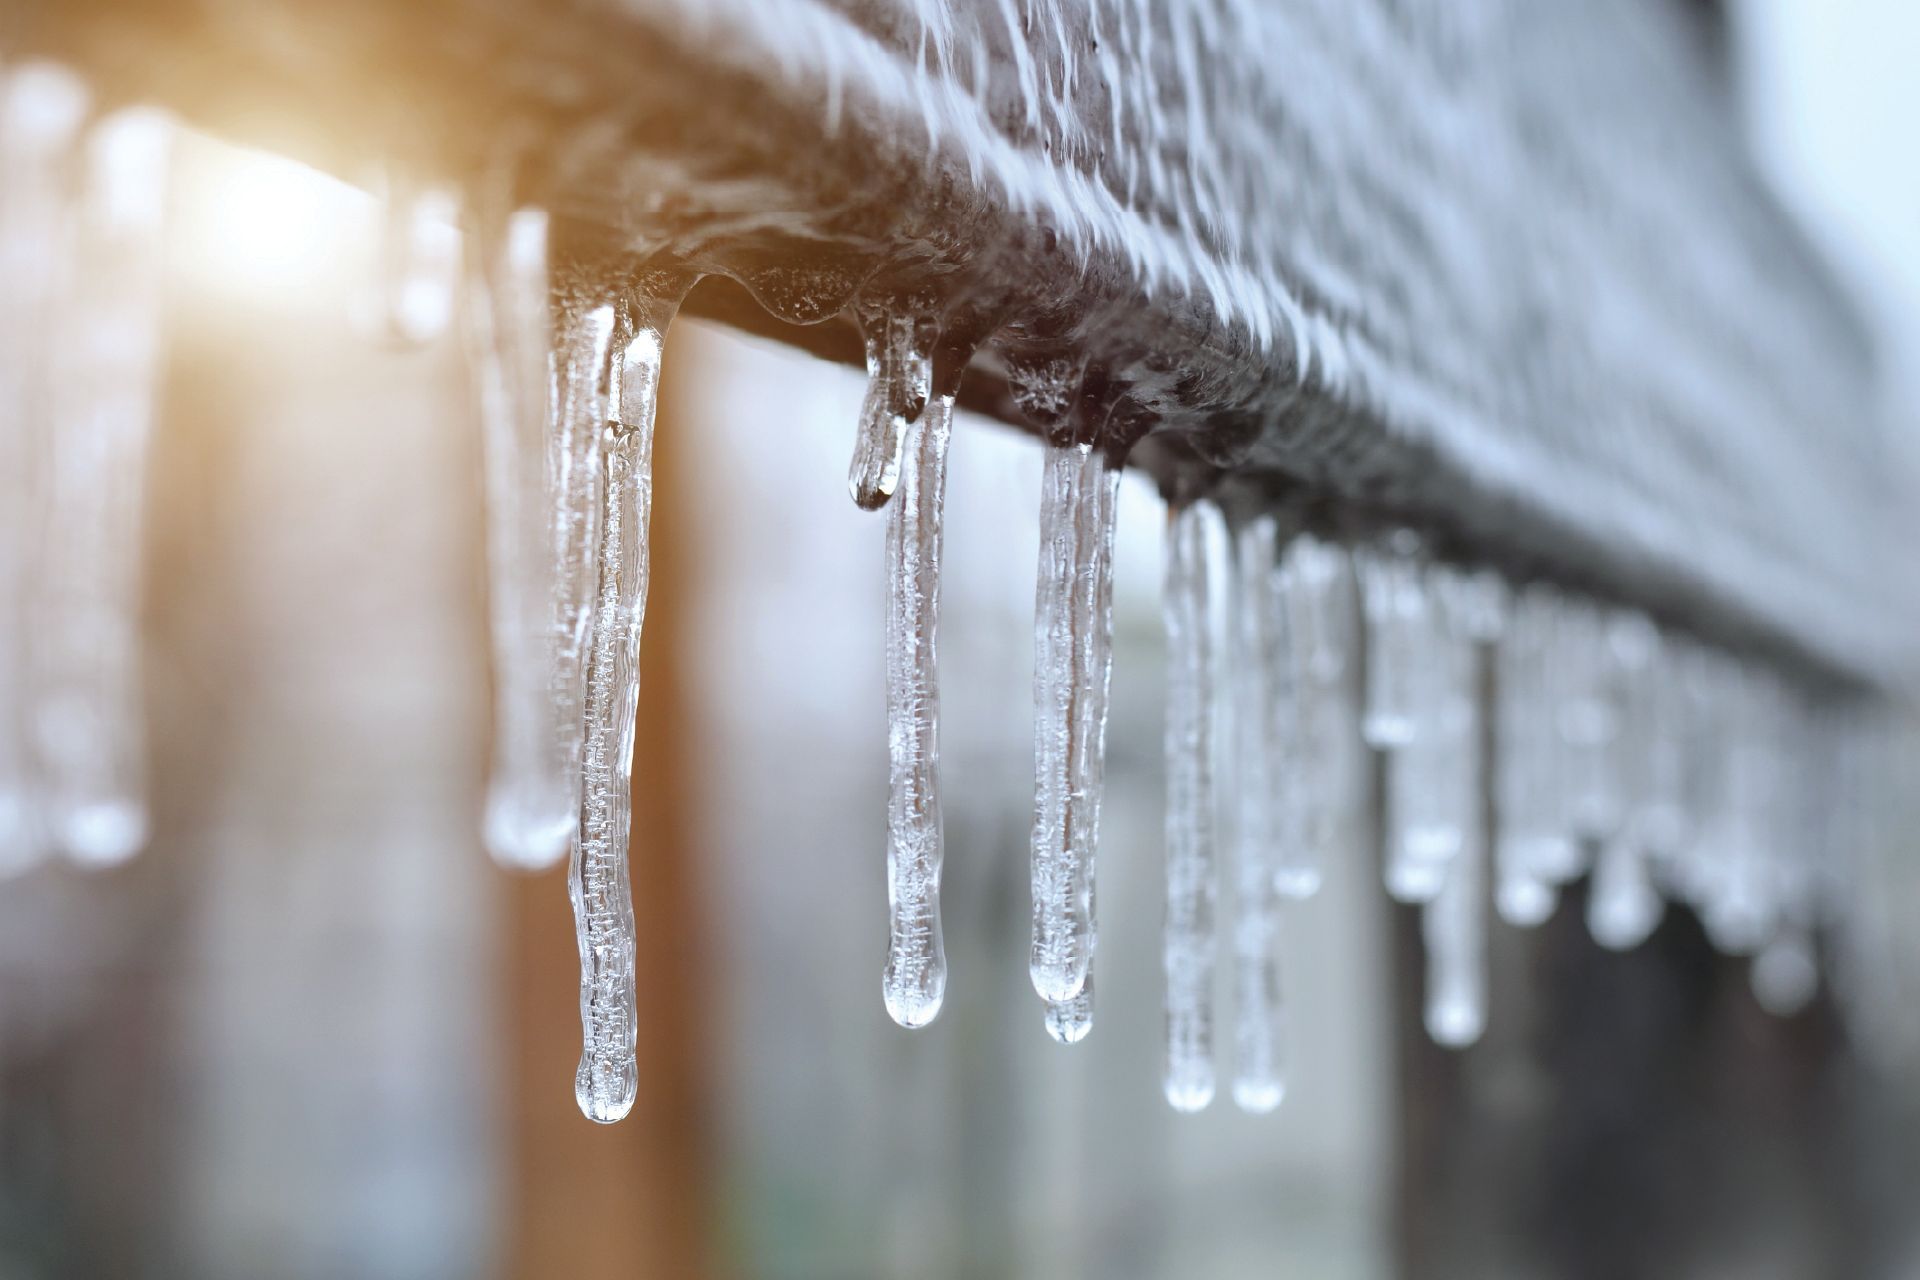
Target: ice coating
x,y
1069,1021
88,711
899,371
41,110
915,980
1072,663
1191,945
532,796
1262,711
597,881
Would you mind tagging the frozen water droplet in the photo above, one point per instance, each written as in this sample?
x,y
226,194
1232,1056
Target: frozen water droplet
x,y
1069,1021
532,789
899,371
1191,946
915,980
1072,665
598,874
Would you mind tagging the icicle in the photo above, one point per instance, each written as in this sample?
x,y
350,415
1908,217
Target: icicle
x,y
1069,1021
1073,659
419,261
1454,928
1622,906
915,981
1785,975
532,790
41,110
598,880
899,370
1316,580
1582,679
1395,602
1262,709
89,714
1531,846
1191,947
1429,773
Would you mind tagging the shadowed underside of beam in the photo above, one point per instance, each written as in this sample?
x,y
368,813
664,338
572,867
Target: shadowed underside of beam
x,y
1498,269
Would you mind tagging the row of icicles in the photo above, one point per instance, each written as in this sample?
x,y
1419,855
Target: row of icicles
x,y
1615,749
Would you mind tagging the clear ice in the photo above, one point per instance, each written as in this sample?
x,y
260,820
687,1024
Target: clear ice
x,y
899,372
1430,774
532,788
1532,845
915,980
598,875
1072,664
88,710
1395,602
1623,905
1069,1021
1265,717
1191,945
1317,583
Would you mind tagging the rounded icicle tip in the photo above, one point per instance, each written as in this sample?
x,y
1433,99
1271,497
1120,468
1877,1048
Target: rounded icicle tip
x,y
519,839
1189,1092
1456,1023
1258,1097
604,1100
912,1006
1069,1021
104,834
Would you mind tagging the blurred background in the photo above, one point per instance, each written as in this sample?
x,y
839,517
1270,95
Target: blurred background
x,y
313,1032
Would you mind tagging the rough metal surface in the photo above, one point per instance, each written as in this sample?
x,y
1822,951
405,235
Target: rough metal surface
x,y
1500,268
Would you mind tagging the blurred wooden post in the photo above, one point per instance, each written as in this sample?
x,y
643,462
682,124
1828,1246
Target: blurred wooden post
x,y
632,1199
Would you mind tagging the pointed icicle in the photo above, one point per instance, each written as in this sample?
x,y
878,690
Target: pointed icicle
x,y
598,877
42,108
1190,942
419,261
1395,603
1317,582
1430,774
899,371
1622,905
89,715
1263,712
915,980
1530,844
1072,663
1069,1021
532,787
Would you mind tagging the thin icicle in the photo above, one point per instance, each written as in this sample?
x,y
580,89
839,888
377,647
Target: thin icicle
x,y
1072,663
915,980
1263,712
899,372
1622,905
1530,845
41,111
1190,942
1069,1021
532,795
1429,774
598,876
1395,602
1454,928
1317,583
89,715
419,260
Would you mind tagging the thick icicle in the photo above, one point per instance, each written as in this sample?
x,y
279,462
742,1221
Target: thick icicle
x,y
1429,774
899,372
1317,582
419,260
41,111
598,879
1395,603
915,980
532,789
1072,663
89,713
1191,946
1069,1021
1262,710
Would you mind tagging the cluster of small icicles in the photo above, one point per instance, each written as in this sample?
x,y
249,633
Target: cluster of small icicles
x,y
1528,737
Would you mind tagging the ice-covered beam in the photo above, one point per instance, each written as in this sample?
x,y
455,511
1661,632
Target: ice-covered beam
x,y
1501,270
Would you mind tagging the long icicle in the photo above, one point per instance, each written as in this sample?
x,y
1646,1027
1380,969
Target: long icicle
x,y
1453,923
1190,942
532,801
1073,661
1264,712
90,717
41,111
915,981
598,881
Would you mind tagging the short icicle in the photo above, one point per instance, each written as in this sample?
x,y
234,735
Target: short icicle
x,y
1317,582
1264,714
1622,905
1428,773
89,715
1530,843
1394,600
1190,942
598,880
899,373
915,980
1072,663
42,108
532,797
